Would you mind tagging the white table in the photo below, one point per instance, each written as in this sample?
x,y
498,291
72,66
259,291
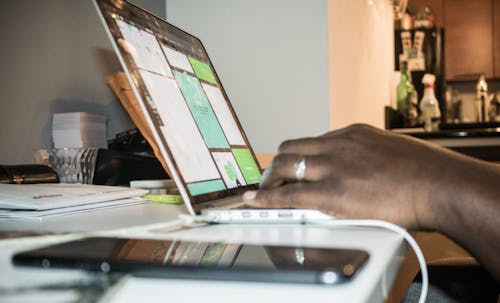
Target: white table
x,y
370,285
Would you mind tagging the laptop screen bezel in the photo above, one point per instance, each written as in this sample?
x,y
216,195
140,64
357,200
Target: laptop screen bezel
x,y
148,20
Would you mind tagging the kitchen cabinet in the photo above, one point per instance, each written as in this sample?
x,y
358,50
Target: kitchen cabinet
x,y
468,39
496,38
472,36
436,6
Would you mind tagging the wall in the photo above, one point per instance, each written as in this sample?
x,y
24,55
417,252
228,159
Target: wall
x,y
54,58
272,59
361,64
157,7
275,58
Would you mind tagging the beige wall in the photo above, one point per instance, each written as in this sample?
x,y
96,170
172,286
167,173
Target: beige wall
x,y
360,60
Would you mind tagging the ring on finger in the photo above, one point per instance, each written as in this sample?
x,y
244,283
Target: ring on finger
x,y
300,169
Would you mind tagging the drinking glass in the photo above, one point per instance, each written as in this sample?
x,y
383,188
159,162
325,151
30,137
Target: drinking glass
x,y
73,165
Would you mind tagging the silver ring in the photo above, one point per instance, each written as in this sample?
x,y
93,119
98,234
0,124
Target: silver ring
x,y
299,256
300,169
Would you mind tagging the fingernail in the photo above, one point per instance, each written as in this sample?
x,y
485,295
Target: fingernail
x,y
249,195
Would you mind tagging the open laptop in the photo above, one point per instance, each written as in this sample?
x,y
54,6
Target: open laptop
x,y
188,111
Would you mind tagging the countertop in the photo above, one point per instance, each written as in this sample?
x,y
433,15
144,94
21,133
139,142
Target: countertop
x,y
482,143
450,133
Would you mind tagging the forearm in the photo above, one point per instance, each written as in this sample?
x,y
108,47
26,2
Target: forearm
x,y
469,211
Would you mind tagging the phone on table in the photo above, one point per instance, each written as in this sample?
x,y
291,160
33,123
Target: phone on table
x,y
201,260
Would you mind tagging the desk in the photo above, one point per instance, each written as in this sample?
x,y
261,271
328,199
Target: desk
x,y
370,285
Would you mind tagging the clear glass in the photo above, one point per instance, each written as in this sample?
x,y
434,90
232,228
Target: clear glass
x,y
73,165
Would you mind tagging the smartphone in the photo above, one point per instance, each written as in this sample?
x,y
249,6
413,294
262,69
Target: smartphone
x,y
181,259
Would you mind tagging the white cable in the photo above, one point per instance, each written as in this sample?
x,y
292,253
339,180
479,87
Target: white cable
x,y
392,227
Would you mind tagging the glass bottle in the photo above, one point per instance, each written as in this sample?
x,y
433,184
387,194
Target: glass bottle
x,y
494,108
407,98
481,97
429,105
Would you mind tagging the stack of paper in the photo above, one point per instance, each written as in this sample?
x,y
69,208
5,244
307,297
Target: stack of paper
x,y
79,129
39,200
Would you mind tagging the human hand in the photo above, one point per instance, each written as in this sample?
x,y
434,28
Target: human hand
x,y
356,172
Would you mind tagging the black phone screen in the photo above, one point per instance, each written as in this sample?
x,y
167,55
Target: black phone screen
x,y
201,260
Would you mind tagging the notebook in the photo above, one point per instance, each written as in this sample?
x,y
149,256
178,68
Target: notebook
x,y
189,114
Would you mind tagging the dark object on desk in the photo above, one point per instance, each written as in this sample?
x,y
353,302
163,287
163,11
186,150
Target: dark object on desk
x,y
27,174
114,167
201,260
128,158
131,141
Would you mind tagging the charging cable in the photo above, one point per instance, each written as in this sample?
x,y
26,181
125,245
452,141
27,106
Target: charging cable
x,y
392,227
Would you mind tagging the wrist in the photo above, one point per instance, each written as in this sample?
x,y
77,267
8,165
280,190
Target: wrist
x,y
442,191
458,197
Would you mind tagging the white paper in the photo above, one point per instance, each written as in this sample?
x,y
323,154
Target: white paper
x,y
79,129
57,195
8,215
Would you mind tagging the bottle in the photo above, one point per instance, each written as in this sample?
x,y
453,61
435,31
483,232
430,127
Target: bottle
x,y
494,108
407,98
481,97
429,105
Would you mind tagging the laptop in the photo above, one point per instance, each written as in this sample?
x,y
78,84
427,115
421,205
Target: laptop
x,y
190,116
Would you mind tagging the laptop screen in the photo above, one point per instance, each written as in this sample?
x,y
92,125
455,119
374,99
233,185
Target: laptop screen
x,y
188,110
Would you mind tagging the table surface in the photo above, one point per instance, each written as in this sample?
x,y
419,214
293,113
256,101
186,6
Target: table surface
x,y
159,221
